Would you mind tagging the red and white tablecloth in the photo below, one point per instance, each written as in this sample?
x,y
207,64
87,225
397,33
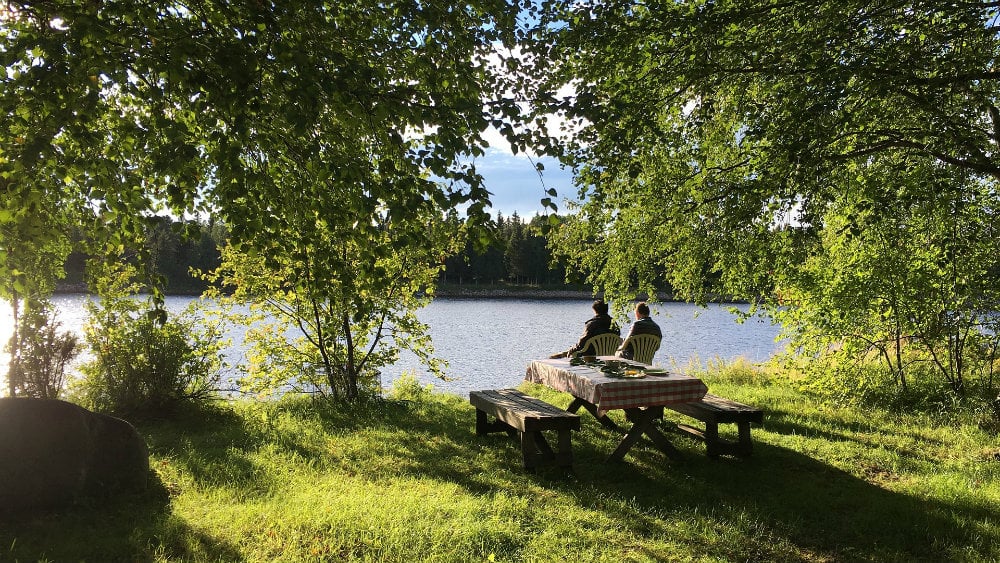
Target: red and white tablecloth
x,y
609,393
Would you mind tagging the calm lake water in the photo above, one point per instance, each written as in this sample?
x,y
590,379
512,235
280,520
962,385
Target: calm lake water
x,y
489,342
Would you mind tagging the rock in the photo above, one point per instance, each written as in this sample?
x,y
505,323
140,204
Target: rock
x,y
53,452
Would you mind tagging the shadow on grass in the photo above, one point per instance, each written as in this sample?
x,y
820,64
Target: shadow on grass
x,y
129,527
212,446
783,421
778,505
780,501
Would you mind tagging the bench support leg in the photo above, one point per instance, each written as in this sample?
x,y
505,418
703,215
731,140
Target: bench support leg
x,y
712,444
536,451
529,451
746,446
484,426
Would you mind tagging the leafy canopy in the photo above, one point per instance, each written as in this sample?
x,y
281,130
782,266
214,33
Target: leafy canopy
x,y
278,117
702,126
833,161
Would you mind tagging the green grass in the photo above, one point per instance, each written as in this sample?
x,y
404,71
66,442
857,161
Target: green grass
x,y
410,481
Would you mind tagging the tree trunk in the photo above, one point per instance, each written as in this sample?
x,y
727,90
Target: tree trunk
x,y
352,376
13,369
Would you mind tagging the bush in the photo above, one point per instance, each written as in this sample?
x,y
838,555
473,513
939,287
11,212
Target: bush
x,y
866,382
143,360
408,388
40,353
142,364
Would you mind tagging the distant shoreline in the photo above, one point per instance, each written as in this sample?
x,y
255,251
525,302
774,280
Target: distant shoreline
x,y
450,291
523,293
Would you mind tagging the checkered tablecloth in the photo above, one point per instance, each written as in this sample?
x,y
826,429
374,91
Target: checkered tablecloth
x,y
608,393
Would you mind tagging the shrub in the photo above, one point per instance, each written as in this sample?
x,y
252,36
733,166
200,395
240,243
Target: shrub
x,y
408,388
141,364
143,359
867,382
40,353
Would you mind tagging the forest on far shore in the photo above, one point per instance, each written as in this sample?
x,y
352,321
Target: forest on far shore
x,y
518,255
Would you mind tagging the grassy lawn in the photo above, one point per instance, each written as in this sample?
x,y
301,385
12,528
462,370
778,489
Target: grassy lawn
x,y
410,481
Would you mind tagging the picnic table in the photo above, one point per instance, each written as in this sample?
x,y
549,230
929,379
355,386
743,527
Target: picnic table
x,y
642,399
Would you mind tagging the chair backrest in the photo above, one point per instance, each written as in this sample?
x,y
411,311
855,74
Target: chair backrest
x,y
603,344
643,346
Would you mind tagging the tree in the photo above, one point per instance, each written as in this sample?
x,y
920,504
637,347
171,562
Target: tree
x,y
213,105
40,353
514,258
287,121
350,320
722,119
718,146
33,248
912,284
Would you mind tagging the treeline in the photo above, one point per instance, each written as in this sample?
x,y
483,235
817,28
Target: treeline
x,y
173,247
518,255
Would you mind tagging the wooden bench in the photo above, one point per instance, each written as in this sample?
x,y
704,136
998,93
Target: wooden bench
x,y
713,411
526,417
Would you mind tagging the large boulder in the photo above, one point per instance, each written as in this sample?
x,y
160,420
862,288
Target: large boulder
x,y
52,452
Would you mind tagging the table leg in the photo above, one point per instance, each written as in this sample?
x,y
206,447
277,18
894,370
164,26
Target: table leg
x,y
643,422
592,409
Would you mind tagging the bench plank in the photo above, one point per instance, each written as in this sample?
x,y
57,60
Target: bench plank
x,y
526,417
714,410
523,412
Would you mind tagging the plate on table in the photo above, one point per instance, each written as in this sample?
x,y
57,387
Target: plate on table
x,y
656,371
624,373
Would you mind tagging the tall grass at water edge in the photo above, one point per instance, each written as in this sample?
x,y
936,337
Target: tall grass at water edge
x,y
408,480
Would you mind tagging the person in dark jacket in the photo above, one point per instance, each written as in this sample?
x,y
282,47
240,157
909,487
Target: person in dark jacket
x,y
642,325
600,323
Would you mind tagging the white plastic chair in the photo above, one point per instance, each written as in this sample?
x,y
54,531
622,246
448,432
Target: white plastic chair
x,y
603,344
643,347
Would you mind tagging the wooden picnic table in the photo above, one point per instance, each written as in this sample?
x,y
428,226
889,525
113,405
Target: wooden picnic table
x,y
641,399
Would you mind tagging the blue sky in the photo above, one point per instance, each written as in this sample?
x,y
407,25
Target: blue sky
x,y
515,184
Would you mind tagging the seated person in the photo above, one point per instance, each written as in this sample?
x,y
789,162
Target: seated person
x,y
642,325
600,323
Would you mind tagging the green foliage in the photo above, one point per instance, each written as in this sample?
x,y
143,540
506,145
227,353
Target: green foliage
x,y
125,108
839,171
143,360
407,387
867,382
326,317
177,247
39,353
294,125
911,286
33,248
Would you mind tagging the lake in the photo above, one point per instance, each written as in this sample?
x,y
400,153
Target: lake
x,y
489,342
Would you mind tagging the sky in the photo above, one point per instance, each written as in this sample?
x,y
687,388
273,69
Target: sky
x,y
511,178
516,186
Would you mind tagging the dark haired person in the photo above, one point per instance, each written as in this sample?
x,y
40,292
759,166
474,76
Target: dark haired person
x,y
642,325
600,323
